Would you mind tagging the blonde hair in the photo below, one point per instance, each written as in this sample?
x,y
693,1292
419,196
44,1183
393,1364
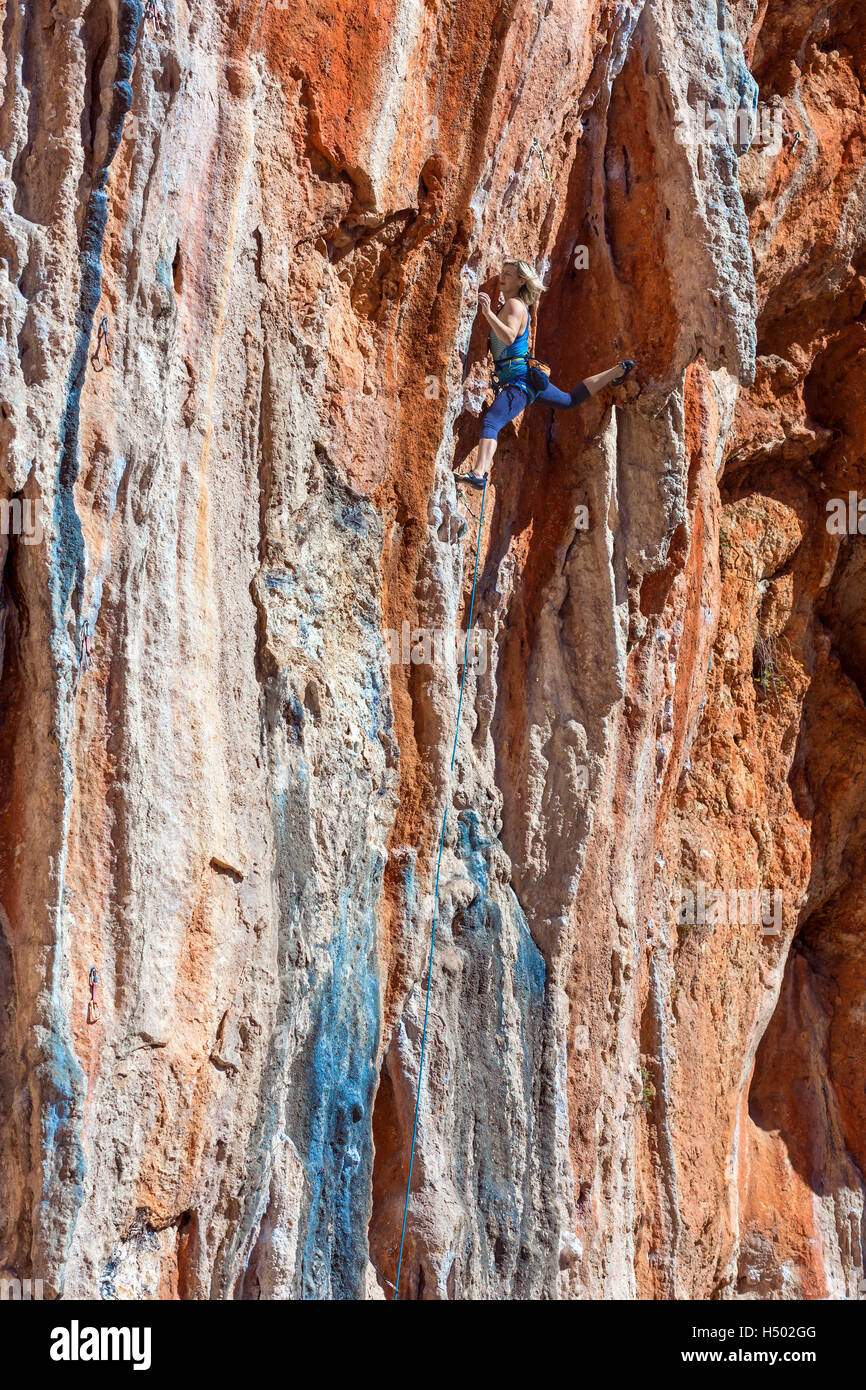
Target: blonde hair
x,y
533,286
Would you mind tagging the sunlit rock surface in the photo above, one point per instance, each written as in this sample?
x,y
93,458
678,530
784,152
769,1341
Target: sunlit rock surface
x,y
240,250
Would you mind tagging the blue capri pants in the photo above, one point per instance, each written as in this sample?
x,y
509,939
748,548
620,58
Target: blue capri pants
x,y
512,399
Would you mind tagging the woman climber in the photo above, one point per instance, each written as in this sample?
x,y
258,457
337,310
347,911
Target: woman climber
x,y
517,378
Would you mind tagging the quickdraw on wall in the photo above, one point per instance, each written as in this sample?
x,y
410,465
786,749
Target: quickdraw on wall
x,y
154,16
85,656
536,145
103,346
92,1006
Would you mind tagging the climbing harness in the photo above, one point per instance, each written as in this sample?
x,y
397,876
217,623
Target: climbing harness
x,y
436,905
536,145
93,1007
85,658
520,368
102,341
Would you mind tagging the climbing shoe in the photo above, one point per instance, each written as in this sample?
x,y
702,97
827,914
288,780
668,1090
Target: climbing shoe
x,y
627,366
471,480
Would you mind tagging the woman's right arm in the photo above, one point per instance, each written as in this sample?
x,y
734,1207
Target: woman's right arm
x,y
510,325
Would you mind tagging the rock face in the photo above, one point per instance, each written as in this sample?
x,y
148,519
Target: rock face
x,y
240,249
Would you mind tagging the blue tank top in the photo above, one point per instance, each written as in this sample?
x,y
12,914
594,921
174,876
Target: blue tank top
x,y
509,360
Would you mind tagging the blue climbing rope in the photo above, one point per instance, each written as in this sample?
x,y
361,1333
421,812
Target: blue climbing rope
x,y
436,898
